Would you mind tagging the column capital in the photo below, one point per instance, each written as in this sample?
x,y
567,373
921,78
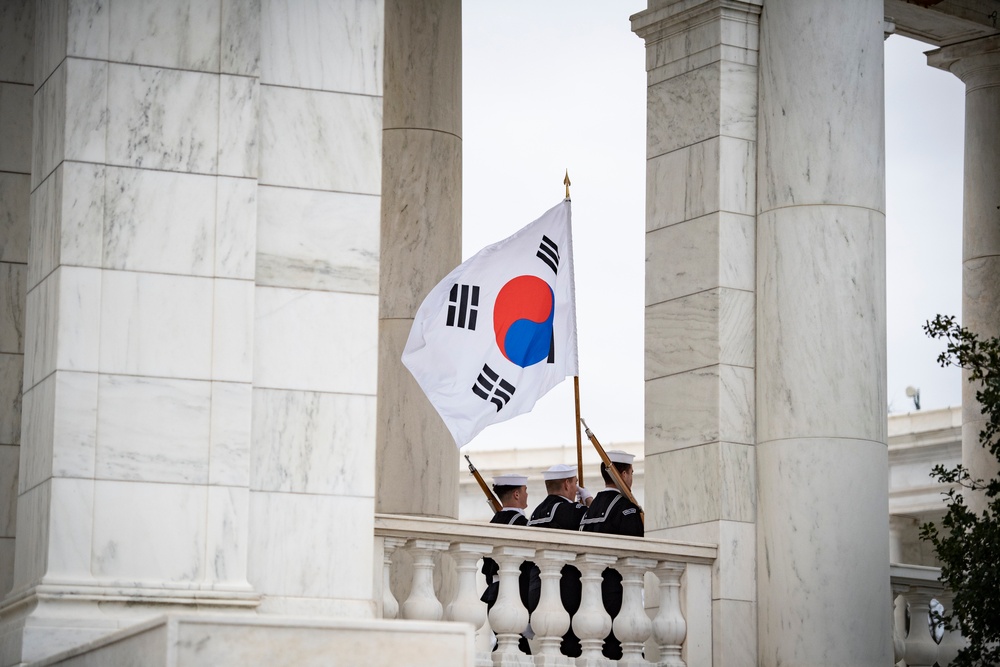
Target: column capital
x,y
663,19
976,62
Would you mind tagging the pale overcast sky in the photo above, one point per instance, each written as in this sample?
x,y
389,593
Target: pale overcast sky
x,y
562,84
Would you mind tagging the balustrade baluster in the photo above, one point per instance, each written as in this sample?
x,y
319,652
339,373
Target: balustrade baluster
x,y
592,623
953,641
508,617
422,604
898,620
632,626
467,606
390,607
921,649
550,620
669,626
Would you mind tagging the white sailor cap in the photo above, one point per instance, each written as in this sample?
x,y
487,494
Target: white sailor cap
x,y
618,456
559,471
510,479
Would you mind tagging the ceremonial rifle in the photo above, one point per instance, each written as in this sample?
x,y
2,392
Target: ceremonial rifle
x,y
612,470
490,498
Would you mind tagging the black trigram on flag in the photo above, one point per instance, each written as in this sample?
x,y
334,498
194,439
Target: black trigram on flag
x,y
491,387
463,306
548,252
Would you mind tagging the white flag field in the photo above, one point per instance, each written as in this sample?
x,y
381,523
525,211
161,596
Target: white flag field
x,y
500,330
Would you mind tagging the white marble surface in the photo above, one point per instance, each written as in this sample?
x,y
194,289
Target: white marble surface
x,y
153,429
426,231
60,415
416,448
13,294
818,146
73,519
32,539
700,406
17,21
70,117
180,34
834,523
155,324
227,535
241,22
703,329
822,343
716,100
235,227
9,454
15,121
6,574
239,108
163,119
67,218
309,442
79,28
735,633
318,341
15,192
322,46
320,140
723,489
159,221
229,453
61,330
311,546
217,640
318,240
11,369
232,330
149,532
713,175
716,250
734,572
423,74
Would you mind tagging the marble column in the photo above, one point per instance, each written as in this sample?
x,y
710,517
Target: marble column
x,y
16,33
822,499
977,64
421,241
701,59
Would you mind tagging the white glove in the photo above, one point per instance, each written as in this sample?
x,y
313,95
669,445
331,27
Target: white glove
x,y
582,494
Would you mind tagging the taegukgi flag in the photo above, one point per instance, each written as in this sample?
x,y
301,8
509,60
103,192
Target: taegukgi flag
x,y
500,330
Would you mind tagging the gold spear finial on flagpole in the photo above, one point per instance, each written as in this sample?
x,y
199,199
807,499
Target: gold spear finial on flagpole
x,y
567,183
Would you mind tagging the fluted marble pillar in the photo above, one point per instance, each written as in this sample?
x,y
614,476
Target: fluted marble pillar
x,y
977,64
822,500
421,241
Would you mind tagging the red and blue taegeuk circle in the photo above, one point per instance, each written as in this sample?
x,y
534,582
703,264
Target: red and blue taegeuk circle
x,y
522,320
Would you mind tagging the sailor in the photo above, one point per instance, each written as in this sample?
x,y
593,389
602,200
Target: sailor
x,y
614,514
564,508
512,492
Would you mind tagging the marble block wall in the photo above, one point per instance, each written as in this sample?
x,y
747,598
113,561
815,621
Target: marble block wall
x,y
16,31
199,356
701,59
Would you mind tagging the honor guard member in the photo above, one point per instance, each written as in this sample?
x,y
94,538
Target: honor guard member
x,y
512,492
566,503
564,508
613,513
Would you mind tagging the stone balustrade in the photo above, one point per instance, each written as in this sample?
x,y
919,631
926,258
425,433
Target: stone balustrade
x,y
430,571
920,643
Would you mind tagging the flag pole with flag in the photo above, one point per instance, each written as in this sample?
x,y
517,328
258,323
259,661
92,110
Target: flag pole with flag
x,y
500,330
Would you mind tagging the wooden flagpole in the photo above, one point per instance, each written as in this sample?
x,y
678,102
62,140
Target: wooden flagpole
x,y
576,393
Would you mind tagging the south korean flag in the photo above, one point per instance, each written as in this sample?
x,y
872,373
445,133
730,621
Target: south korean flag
x,y
500,330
